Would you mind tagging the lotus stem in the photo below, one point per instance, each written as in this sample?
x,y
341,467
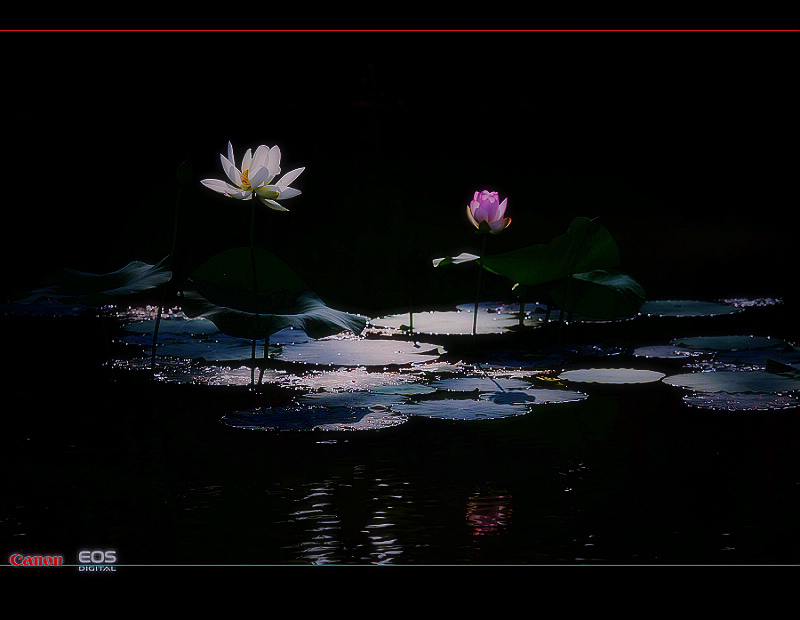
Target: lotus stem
x,y
255,288
410,315
164,286
478,287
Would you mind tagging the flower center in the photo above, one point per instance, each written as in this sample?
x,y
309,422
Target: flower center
x,y
246,180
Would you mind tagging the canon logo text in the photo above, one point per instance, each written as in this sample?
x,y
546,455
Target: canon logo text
x,y
18,559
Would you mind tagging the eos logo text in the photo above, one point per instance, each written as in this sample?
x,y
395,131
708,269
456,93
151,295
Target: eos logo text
x,y
96,561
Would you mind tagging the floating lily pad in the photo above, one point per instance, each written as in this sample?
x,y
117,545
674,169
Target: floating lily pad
x,y
732,381
729,343
686,308
188,372
221,349
192,339
611,375
741,350
215,375
374,420
198,339
454,322
345,410
343,379
45,308
481,384
360,352
760,357
490,307
760,302
482,408
181,329
357,399
407,389
721,401
533,359
312,418
186,330
488,405
536,397
548,357
665,352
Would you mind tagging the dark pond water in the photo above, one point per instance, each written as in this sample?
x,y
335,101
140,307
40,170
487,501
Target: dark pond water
x,y
94,459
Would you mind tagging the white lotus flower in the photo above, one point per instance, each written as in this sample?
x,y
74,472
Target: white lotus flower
x,y
256,177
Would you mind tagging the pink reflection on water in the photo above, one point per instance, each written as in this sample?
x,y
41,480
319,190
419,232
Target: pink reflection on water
x,y
488,513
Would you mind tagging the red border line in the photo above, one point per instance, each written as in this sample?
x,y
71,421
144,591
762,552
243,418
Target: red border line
x,y
351,31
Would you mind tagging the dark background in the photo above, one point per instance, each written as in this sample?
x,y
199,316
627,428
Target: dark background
x,y
684,143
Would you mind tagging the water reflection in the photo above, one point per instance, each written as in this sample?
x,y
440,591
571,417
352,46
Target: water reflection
x,y
348,519
488,513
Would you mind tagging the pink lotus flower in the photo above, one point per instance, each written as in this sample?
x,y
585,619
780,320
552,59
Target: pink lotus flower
x,y
485,212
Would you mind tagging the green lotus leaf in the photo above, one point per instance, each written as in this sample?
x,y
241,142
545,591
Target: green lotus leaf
x,y
599,293
226,279
308,313
222,291
585,246
73,286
